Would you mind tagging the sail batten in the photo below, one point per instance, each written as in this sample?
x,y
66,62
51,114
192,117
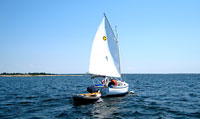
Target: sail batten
x,y
104,59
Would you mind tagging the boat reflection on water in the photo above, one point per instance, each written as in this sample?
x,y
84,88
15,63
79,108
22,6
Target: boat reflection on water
x,y
103,108
110,106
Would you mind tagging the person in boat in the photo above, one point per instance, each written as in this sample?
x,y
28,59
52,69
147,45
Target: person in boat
x,y
112,82
105,81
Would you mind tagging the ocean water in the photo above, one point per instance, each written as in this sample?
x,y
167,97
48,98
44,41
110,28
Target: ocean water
x,y
159,96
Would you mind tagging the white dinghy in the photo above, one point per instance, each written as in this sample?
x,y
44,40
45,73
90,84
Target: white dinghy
x,y
105,62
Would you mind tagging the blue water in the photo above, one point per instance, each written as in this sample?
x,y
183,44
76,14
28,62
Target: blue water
x,y
159,96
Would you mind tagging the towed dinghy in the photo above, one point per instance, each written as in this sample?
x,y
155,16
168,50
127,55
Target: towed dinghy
x,y
86,98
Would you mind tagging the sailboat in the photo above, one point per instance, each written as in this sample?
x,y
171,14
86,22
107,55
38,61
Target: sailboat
x,y
105,62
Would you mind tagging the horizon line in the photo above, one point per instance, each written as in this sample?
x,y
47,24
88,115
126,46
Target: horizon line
x,y
89,74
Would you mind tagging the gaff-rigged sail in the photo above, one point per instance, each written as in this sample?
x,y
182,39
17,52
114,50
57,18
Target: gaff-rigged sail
x,y
104,59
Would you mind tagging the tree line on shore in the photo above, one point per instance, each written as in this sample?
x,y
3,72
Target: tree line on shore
x,y
35,73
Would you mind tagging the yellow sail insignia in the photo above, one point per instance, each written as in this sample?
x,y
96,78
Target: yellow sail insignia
x,y
104,38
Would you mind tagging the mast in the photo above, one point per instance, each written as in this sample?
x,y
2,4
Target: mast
x,y
116,38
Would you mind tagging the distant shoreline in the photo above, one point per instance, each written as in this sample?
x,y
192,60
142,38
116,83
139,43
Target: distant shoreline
x,y
45,75
26,75
35,74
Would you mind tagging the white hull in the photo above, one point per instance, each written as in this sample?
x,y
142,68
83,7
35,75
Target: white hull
x,y
116,91
120,89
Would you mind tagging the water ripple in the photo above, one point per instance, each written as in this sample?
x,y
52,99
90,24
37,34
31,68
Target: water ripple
x,y
158,97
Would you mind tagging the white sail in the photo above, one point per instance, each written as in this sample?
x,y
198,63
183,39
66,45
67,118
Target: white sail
x,y
104,59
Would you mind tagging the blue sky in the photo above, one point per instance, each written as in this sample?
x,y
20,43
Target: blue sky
x,y
55,36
